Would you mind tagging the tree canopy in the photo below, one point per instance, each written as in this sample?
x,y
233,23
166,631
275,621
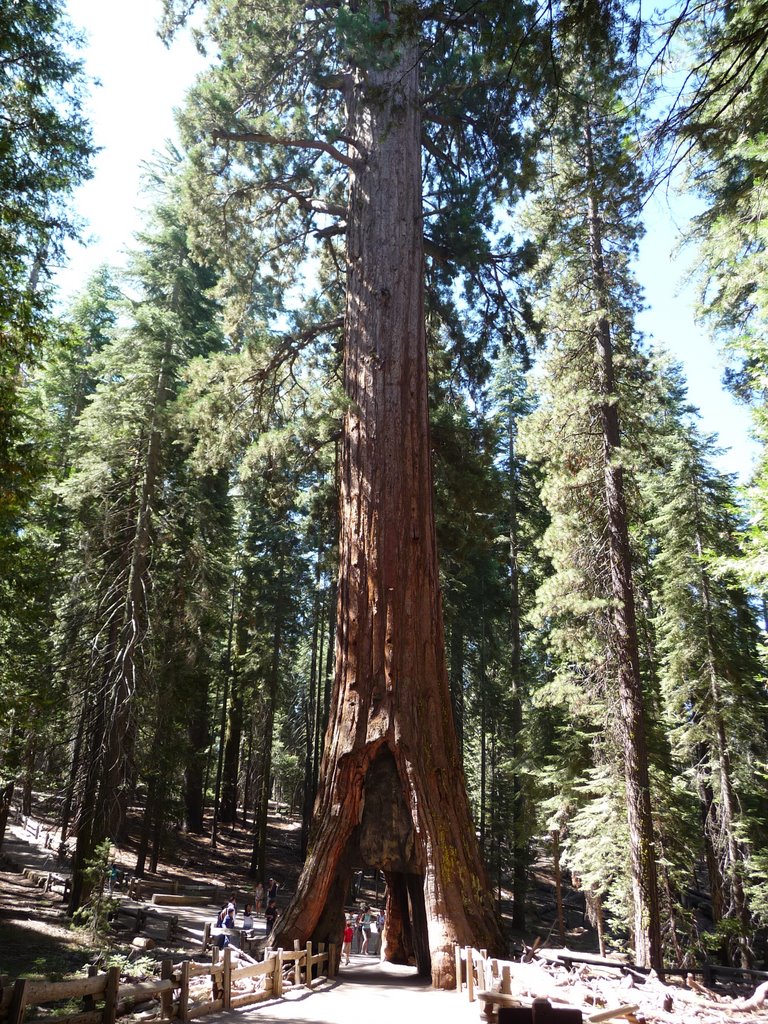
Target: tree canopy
x,y
360,490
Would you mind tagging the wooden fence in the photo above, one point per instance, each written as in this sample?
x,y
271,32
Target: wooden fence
x,y
489,980
176,989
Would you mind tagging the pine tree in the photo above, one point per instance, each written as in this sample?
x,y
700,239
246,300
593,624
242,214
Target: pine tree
x,y
124,452
585,220
46,147
707,644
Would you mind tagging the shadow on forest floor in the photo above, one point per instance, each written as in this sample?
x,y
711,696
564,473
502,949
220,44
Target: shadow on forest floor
x,y
36,937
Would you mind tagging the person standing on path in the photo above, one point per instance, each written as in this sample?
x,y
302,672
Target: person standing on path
x,y
346,948
366,922
271,915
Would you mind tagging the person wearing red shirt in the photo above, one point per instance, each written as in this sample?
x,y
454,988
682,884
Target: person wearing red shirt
x,y
347,947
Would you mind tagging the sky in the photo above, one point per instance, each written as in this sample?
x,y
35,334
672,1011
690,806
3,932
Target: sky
x,y
131,111
132,116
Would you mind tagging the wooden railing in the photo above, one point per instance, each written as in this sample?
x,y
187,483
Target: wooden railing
x,y
489,980
175,989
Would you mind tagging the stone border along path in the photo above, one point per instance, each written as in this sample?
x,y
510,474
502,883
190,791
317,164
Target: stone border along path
x,y
365,990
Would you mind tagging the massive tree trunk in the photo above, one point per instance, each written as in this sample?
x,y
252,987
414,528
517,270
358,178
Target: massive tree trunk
x,y
392,793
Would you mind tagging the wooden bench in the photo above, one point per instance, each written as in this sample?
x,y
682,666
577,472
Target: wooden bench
x,y
141,915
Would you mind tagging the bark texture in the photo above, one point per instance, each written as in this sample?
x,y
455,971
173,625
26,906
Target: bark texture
x,y
392,793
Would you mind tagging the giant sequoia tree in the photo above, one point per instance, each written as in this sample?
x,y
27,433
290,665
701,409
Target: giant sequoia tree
x,y
318,110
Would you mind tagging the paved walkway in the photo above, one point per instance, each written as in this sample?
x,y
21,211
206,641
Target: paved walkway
x,y
20,846
366,990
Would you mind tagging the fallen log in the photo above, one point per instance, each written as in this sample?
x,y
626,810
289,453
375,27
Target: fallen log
x,y
615,1013
756,1000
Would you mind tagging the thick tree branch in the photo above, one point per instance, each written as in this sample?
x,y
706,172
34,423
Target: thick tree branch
x,y
290,346
307,202
265,138
331,231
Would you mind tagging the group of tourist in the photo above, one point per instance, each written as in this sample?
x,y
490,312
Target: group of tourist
x,y
264,902
362,933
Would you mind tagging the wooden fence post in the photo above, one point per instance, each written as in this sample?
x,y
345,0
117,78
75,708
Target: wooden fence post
x,y
308,965
206,936
482,970
18,1002
226,979
166,998
457,954
110,996
277,989
88,1001
186,968
470,975
506,980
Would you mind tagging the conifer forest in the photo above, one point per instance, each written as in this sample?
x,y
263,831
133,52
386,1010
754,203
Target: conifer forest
x,y
359,489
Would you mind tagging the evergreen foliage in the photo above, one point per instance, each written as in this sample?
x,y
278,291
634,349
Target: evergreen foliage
x,y
170,452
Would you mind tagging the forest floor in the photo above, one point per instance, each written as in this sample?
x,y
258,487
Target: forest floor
x,y
38,941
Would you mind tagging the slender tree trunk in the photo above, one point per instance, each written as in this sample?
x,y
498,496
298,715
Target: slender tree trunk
x,y
594,902
197,740
392,793
483,737
91,825
558,883
74,771
456,680
27,770
631,721
6,801
728,813
711,835
231,766
259,854
319,699
150,811
312,707
223,722
158,827
519,828
248,775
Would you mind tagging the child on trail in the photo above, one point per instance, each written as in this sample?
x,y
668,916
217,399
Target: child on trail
x,y
346,948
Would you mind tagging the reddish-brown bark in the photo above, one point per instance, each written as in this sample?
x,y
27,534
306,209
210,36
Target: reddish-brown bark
x,y
392,791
